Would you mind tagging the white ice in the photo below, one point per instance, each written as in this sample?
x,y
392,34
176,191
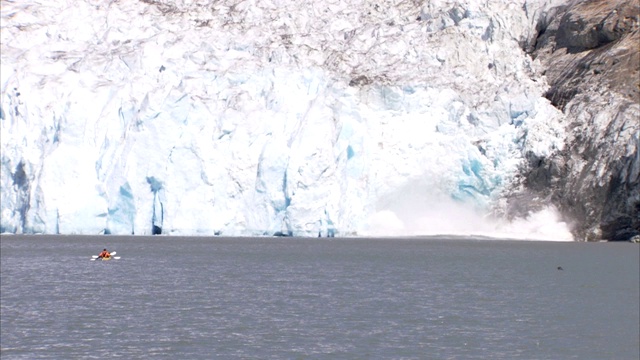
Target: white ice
x,y
256,117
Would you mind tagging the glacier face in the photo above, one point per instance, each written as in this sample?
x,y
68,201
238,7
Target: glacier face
x,y
264,117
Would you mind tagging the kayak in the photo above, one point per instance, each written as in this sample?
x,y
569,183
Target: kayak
x,y
106,258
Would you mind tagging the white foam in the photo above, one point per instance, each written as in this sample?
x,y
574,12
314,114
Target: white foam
x,y
449,218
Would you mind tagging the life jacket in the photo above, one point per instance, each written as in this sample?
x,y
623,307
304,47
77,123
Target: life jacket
x,y
104,254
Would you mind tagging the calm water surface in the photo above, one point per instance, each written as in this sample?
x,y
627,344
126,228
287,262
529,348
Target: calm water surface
x,y
283,298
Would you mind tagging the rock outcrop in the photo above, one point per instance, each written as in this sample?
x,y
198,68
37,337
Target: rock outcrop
x,y
590,53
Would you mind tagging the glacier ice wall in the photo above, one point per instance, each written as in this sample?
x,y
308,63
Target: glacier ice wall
x,y
266,117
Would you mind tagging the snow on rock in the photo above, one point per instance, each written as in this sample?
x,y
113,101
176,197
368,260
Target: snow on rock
x,y
266,117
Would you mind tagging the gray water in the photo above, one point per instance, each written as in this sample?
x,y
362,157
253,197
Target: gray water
x,y
287,298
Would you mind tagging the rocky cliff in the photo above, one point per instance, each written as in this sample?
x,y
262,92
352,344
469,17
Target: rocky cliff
x,y
590,53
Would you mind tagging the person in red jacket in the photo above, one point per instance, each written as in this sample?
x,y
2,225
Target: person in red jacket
x,y
104,254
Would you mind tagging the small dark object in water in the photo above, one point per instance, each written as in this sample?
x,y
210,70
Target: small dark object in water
x,y
560,268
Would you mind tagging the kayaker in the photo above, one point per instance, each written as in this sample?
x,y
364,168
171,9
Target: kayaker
x,y
104,254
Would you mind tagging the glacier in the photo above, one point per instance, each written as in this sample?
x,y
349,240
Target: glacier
x,y
258,117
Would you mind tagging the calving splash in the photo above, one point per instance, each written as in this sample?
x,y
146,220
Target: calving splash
x,y
457,220
254,119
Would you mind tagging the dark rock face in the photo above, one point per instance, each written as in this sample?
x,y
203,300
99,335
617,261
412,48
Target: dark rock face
x,y
591,53
588,44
